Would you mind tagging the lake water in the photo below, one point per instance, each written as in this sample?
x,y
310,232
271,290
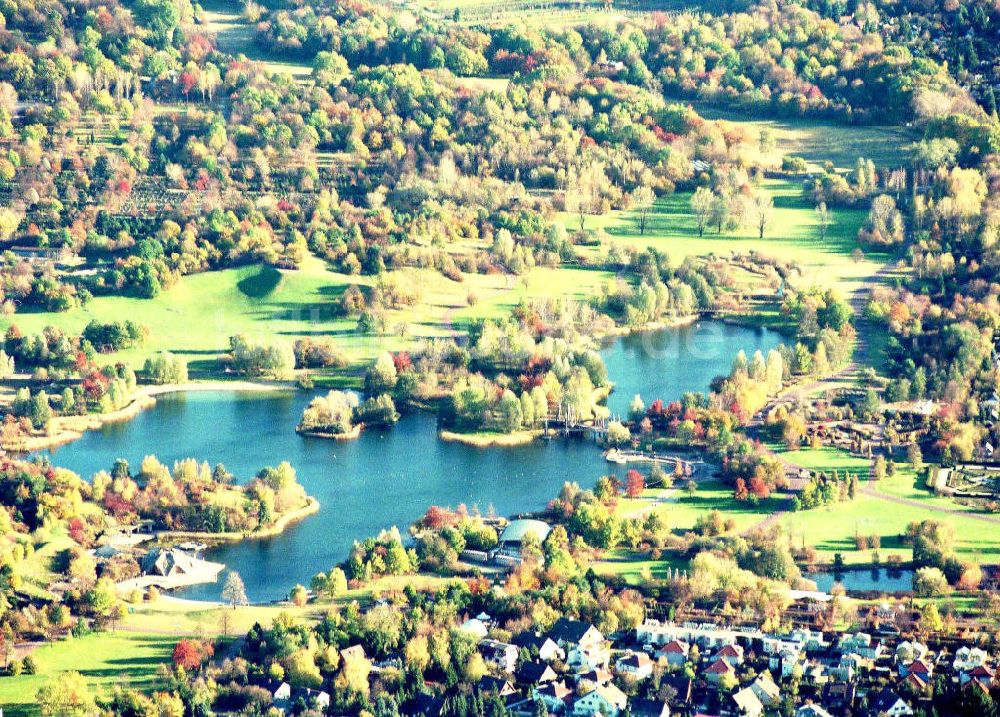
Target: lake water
x,y
866,580
392,477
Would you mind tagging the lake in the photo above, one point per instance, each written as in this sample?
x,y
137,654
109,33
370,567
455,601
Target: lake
x,y
866,580
388,478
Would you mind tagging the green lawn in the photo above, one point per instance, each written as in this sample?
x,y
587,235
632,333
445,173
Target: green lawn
x,y
714,495
105,660
832,529
632,566
792,235
817,141
827,459
196,317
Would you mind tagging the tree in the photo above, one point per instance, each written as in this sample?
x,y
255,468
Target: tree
x,y
914,457
929,582
634,483
822,220
382,376
336,582
762,205
879,469
643,198
234,591
701,206
299,596
66,695
191,654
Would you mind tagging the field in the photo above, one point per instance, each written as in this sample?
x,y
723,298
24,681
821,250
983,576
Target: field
x,y
831,529
196,317
235,36
105,660
818,142
792,235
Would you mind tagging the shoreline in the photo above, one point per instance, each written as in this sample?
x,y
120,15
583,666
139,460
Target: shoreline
x,y
351,435
66,429
491,440
310,507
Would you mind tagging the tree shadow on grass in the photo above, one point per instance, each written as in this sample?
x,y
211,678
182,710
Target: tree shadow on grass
x,y
261,284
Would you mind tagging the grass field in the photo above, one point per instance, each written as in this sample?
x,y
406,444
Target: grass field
x,y
792,235
105,660
817,141
196,317
832,529
235,36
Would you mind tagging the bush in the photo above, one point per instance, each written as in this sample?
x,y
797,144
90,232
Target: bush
x,y
929,582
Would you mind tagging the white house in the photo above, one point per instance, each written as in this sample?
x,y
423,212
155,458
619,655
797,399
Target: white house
x,y
748,703
555,695
674,652
967,658
889,704
500,655
811,710
907,651
476,626
636,665
767,692
603,700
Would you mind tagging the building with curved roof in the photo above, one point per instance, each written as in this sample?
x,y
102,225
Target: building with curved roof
x,y
515,532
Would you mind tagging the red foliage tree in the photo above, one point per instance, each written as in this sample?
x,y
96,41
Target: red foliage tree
x,y
635,483
190,654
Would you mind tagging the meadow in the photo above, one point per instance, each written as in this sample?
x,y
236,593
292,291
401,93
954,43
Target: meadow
x,y
792,234
105,660
817,141
196,317
832,529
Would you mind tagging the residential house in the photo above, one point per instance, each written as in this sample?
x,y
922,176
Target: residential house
x,y
815,674
839,697
715,672
425,705
575,633
920,668
674,652
636,665
733,654
584,644
980,673
967,658
907,651
748,703
354,652
476,626
789,662
499,655
535,673
281,695
547,649
648,708
888,704
812,710
555,695
767,692
602,700
592,678
847,667
314,699
861,643
489,684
